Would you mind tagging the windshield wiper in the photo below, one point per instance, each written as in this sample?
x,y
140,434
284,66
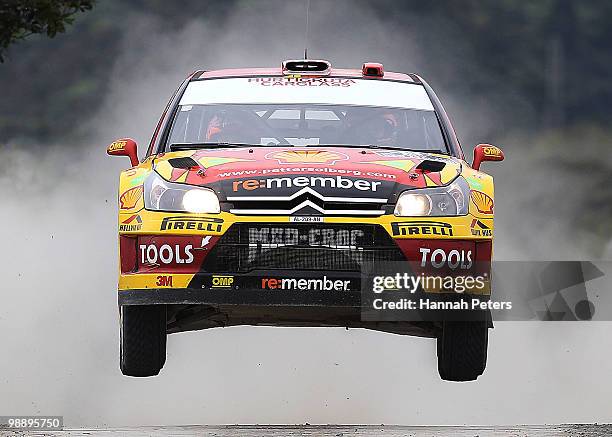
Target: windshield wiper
x,y
220,145
212,145
377,146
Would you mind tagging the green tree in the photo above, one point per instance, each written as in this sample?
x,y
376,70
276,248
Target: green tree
x,y
22,18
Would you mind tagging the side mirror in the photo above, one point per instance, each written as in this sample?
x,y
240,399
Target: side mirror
x,y
486,152
124,147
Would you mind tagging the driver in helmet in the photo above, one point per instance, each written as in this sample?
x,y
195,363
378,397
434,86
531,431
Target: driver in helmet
x,y
230,127
373,126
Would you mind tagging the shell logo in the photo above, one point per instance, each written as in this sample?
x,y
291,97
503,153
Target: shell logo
x,y
130,198
307,156
483,202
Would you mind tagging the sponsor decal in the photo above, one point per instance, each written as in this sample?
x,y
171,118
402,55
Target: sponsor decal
x,y
479,229
306,181
131,224
491,151
211,161
305,284
422,228
315,237
191,223
306,219
138,180
307,156
166,254
130,198
474,182
410,155
301,170
301,81
116,146
222,281
438,258
164,281
483,202
400,164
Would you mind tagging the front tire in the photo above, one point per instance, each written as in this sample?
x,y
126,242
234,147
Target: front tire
x,y
462,350
143,339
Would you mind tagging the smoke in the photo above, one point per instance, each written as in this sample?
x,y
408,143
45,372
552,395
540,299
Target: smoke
x,y
59,314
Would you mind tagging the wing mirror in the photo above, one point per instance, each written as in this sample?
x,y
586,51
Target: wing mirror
x,y
124,147
486,152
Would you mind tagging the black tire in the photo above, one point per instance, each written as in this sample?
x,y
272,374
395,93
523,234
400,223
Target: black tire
x,y
462,350
143,339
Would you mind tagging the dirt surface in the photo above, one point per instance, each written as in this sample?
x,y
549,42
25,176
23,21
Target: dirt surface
x,y
333,431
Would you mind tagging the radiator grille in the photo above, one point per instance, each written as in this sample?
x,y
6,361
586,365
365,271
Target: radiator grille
x,y
251,246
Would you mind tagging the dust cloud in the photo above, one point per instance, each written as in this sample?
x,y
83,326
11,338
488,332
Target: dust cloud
x,y
59,318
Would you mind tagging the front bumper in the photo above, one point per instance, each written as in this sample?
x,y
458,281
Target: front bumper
x,y
195,263
190,309
247,297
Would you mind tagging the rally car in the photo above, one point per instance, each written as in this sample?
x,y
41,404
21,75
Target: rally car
x,y
265,191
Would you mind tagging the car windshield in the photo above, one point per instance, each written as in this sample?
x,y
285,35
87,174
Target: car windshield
x,y
307,111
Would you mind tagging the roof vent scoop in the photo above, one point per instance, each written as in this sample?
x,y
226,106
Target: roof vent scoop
x,y
430,165
185,163
372,69
306,67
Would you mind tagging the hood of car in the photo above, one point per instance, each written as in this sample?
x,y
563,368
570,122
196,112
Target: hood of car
x,y
331,174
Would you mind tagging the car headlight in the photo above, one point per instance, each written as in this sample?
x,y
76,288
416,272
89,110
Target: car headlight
x,y
161,195
450,200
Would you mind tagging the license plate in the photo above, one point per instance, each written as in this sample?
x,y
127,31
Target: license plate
x,y
306,219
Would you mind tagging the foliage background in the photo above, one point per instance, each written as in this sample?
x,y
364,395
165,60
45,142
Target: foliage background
x,y
553,54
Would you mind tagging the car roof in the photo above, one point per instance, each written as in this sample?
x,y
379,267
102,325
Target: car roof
x,y
272,72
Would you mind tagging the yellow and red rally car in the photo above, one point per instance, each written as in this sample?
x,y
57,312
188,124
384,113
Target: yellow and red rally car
x,y
264,192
